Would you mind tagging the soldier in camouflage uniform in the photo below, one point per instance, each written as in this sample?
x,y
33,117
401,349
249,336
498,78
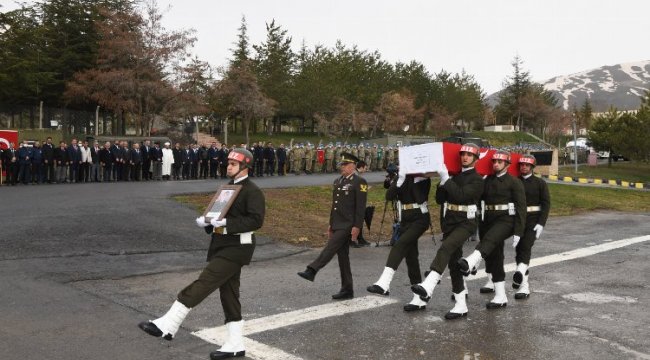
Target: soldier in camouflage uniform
x,y
297,159
329,157
309,158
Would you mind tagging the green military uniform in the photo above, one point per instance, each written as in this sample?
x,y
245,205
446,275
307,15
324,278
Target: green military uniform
x,y
498,225
349,198
329,158
227,254
298,160
455,196
309,159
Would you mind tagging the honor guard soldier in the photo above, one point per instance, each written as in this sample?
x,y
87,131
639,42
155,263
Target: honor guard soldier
x,y
232,246
349,197
458,197
503,206
538,205
411,193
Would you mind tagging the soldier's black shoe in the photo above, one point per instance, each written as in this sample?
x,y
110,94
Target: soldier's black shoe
x,y
419,290
463,266
521,296
411,307
376,289
452,316
492,306
216,355
363,242
355,244
308,274
343,295
517,278
486,290
151,329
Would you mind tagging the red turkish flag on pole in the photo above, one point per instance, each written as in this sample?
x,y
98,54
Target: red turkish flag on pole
x,y
7,137
320,156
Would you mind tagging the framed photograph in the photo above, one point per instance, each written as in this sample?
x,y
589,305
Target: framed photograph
x,y
221,202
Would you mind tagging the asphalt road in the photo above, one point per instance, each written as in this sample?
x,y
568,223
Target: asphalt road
x,y
81,265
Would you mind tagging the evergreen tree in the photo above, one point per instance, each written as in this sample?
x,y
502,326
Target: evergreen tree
x,y
241,52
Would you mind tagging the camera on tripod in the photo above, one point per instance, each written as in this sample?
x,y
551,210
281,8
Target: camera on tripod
x,y
391,171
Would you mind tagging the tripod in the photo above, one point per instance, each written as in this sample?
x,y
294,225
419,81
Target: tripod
x,y
393,207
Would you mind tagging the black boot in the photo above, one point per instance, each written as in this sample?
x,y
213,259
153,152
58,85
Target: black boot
x,y
151,329
308,274
343,295
215,355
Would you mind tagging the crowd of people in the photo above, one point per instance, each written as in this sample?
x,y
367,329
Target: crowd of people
x,y
81,161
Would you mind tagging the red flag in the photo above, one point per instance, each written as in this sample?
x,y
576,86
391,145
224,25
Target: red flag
x,y
451,152
320,156
7,137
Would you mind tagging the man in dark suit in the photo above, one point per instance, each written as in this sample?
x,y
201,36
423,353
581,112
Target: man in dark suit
x,y
10,164
269,158
74,160
214,160
37,163
146,160
204,161
116,152
177,166
346,219
61,162
281,154
106,161
48,161
223,160
136,162
186,162
231,248
25,163
95,168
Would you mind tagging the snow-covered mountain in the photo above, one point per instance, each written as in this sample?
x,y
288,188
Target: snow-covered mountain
x,y
620,85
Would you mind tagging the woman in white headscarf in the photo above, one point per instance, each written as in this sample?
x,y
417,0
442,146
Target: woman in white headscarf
x,y
167,161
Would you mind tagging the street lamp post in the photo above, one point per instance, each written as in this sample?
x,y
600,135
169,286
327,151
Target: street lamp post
x,y
575,143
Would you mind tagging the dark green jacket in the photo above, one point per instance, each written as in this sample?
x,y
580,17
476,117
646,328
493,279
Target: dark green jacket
x,y
465,188
502,190
536,195
349,198
246,214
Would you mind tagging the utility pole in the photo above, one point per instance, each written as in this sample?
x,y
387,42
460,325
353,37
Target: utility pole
x,y
575,143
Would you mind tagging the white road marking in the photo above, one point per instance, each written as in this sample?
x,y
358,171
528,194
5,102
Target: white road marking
x,y
217,335
607,245
257,350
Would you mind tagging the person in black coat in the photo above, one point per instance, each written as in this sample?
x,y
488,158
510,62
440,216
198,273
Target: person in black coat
x,y
106,161
37,163
61,161
204,161
281,154
231,248
48,161
95,168
186,161
136,163
177,166
146,160
74,160
222,155
214,160
25,163
116,152
10,163
269,158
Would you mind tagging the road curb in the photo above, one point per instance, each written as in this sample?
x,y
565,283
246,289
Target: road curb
x,y
612,182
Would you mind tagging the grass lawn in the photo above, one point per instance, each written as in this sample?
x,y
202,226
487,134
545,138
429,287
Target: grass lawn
x,y
300,215
633,171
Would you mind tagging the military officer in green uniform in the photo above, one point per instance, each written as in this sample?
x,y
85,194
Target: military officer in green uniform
x,y
538,205
458,197
349,198
503,206
232,246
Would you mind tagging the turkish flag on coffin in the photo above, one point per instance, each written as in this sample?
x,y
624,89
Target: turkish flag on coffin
x,y
430,157
7,137
451,153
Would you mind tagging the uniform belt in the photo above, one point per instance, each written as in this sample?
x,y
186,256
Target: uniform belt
x,y
533,208
454,207
496,207
414,206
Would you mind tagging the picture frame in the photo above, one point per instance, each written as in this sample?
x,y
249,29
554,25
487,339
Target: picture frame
x,y
221,202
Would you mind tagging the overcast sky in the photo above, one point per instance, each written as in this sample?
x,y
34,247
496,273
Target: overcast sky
x,y
553,37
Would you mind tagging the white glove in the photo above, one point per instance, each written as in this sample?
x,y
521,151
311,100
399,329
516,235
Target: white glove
x,y
515,241
218,223
200,222
538,230
400,179
444,176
